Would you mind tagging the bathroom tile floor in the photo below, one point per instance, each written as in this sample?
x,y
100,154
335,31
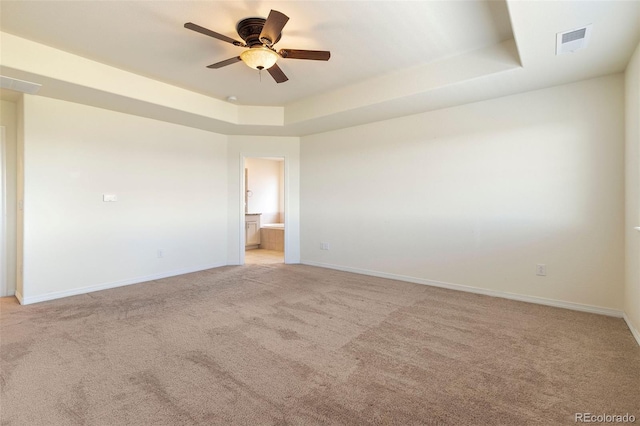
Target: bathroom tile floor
x,y
263,256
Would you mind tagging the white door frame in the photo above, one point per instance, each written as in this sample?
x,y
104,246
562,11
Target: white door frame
x,y
4,291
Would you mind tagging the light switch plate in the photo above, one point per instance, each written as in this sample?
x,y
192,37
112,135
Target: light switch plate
x,y
109,197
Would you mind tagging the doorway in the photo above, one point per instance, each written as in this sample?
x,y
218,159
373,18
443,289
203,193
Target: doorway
x,y
264,210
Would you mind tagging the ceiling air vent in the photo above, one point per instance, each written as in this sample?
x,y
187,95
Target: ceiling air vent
x,y
19,85
572,40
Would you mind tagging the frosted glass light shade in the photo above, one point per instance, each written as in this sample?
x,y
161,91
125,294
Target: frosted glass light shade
x,y
259,58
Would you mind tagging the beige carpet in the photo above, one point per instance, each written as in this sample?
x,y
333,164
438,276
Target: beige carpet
x,y
286,344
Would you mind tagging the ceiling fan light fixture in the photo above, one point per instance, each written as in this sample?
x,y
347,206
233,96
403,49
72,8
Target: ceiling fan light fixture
x,y
259,58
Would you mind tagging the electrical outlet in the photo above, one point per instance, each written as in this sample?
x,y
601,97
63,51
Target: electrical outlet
x,y
160,254
324,246
541,269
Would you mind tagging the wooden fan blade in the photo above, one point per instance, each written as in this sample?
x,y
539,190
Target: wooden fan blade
x,y
273,27
224,63
277,74
314,55
205,31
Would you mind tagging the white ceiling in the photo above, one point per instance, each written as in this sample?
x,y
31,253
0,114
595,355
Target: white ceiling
x,y
389,58
366,39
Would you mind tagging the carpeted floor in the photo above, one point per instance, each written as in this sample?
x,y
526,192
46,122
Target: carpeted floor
x,y
292,344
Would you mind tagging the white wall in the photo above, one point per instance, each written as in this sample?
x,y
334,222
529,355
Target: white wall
x,y
632,282
172,196
477,195
241,147
9,120
266,182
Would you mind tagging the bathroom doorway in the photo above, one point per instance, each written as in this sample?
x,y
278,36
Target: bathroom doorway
x,y
264,211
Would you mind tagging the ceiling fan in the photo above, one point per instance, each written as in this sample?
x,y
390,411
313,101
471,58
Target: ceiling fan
x,y
259,36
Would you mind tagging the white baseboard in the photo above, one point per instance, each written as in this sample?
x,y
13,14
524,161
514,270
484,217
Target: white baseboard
x,y
469,289
633,330
113,284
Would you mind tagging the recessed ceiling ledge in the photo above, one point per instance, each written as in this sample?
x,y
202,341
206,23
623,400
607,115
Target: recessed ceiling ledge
x,y
22,57
407,82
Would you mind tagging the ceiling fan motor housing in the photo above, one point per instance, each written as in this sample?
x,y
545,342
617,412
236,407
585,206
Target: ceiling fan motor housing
x,y
249,30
